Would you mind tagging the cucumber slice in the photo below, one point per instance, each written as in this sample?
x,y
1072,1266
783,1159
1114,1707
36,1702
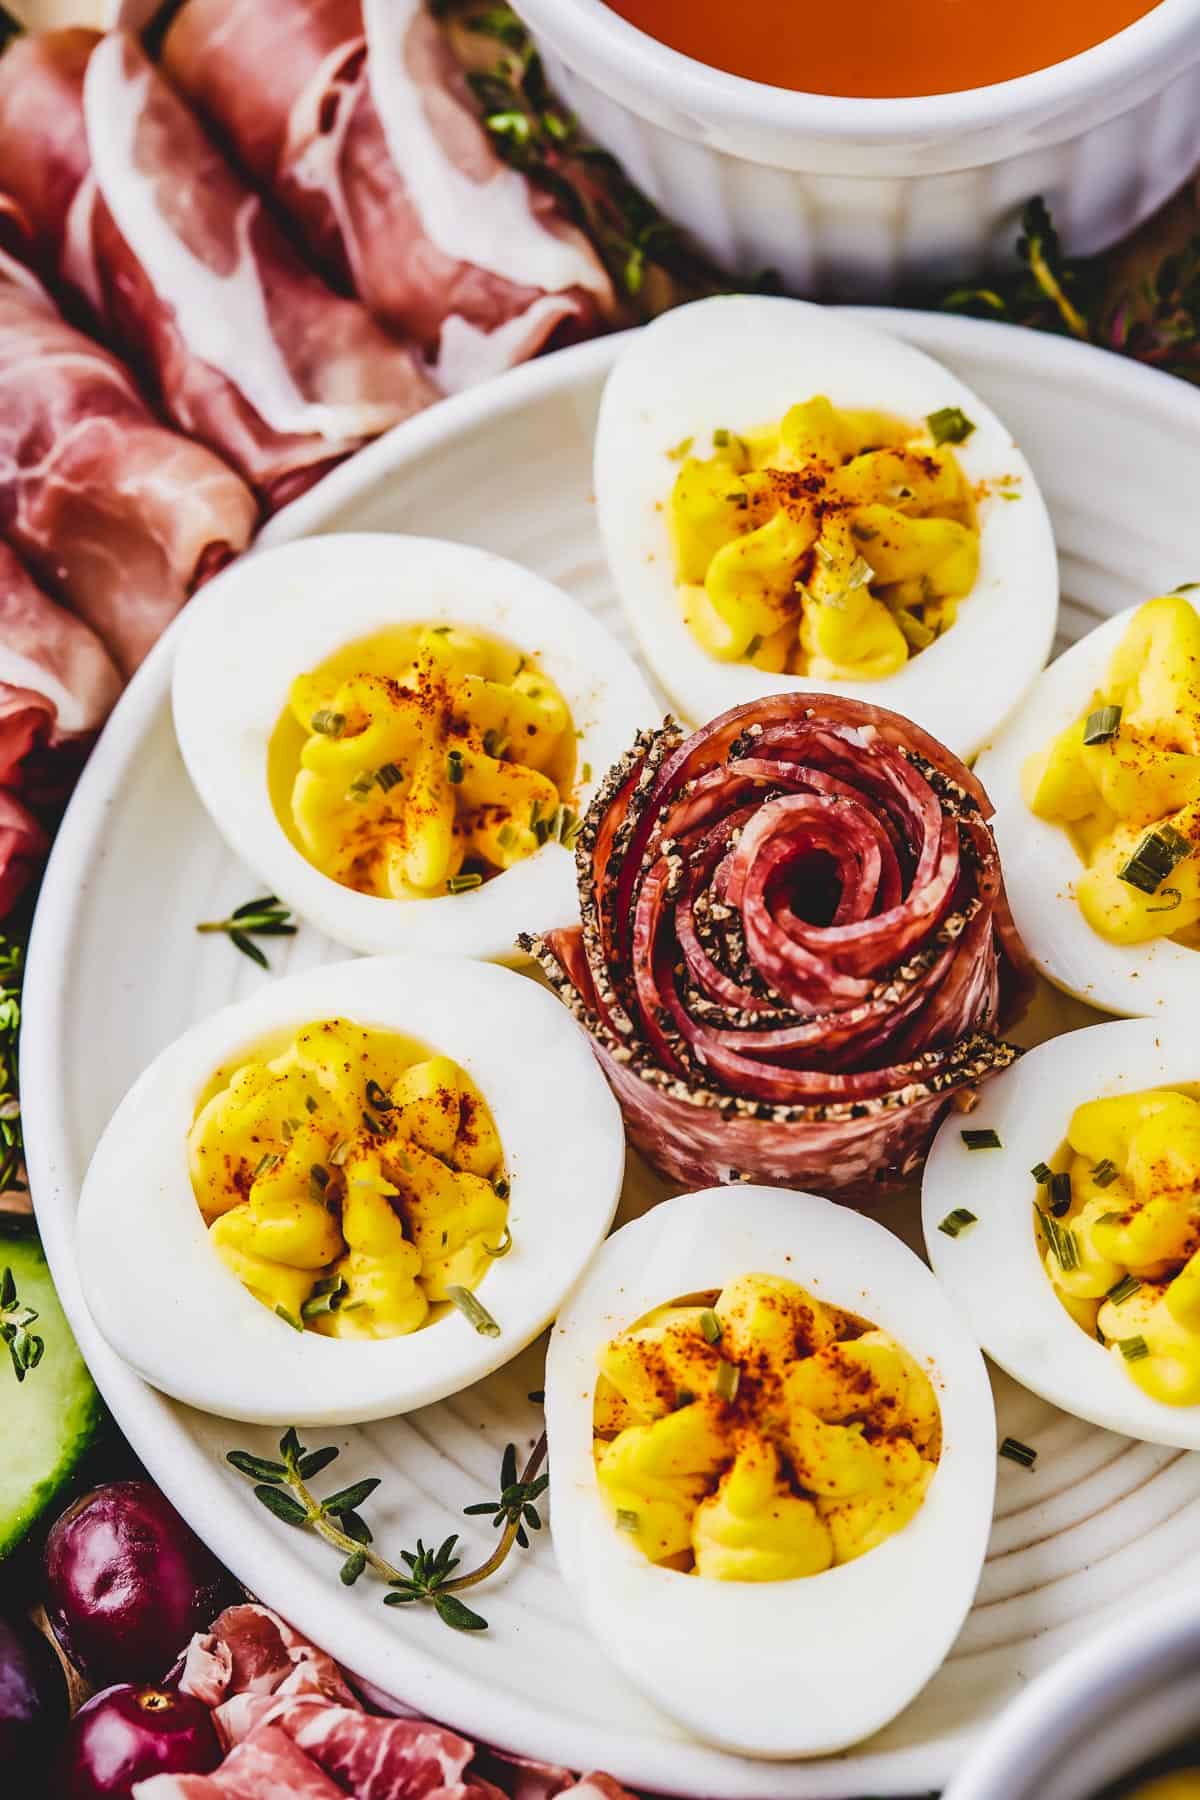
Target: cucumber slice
x,y
48,1421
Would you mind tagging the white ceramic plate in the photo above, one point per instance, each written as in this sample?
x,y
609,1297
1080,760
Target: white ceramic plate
x,y
116,970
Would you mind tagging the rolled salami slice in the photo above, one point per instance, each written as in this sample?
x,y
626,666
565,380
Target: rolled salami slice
x,y
363,131
184,271
796,950
120,518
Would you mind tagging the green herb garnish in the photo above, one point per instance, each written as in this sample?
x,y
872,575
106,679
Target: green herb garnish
x,y
1173,898
1123,1290
678,451
1105,1173
473,1310
710,1326
495,743
1133,1349
1061,1241
266,917
1042,1173
289,1318
1018,1452
462,884
727,1380
502,1248
388,776
24,1346
1102,725
12,1141
454,767
627,1520
981,1140
426,1576
1159,852
378,1098
957,1221
1060,1193
327,723
949,425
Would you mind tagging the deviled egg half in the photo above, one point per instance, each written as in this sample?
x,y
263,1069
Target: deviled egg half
x,y
399,735
1064,1224
772,1455
1096,786
347,1197
793,500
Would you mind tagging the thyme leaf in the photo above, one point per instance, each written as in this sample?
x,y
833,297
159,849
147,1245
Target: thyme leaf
x,y
266,917
25,1348
424,1575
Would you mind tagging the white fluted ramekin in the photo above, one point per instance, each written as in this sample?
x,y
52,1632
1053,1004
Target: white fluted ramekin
x,y
856,197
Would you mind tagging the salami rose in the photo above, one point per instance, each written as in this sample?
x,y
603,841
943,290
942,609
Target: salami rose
x,y
796,951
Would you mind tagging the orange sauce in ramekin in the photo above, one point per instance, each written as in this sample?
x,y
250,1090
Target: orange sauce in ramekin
x,y
881,49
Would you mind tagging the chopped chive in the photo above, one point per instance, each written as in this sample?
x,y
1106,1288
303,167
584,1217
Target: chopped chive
x,y
506,837
287,1130
462,884
1018,1452
281,1312
684,1397
740,500
585,774
328,723
500,1188
388,776
339,1153
569,824
915,632
271,1160
502,1248
1061,1242
753,647
727,1379
1111,1218
318,1181
1133,1349
981,1140
1159,852
375,1126
361,786
710,1326
378,1099
1060,1194
310,1103
327,1297
454,767
1173,898
474,1313
1042,1173
1123,1290
957,1221
1105,1173
949,425
627,1520
1102,725
721,437
495,743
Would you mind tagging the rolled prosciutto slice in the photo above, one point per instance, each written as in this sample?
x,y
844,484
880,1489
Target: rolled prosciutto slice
x,y
116,515
186,273
796,949
363,130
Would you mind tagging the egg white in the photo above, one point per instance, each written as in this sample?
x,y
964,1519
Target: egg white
x,y
1040,864
273,615
993,1270
170,1307
774,1669
740,362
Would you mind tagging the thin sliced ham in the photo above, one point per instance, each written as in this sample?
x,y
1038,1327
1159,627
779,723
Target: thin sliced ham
x,y
362,129
116,515
795,951
283,1711
57,681
23,846
186,273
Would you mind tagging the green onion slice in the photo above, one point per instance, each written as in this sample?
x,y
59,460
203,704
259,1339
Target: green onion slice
x,y
949,425
328,723
957,1221
462,884
271,1160
710,1326
1158,854
1102,725
281,1312
1133,1349
1018,1452
627,1520
1061,1242
1105,1173
1123,1290
981,1140
1060,1194
1042,1173
727,1380
473,1311
502,1248
454,767
388,776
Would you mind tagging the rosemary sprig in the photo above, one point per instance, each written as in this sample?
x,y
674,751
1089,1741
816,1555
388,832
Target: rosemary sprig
x,y
265,917
24,1346
427,1575
12,1143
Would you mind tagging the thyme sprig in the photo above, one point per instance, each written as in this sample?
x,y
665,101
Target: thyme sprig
x,y
427,1575
24,1346
265,917
12,1143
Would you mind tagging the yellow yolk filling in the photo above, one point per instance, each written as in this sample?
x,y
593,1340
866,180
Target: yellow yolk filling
x,y
1124,1256
423,761
833,544
1177,1784
350,1180
1130,798
759,1435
